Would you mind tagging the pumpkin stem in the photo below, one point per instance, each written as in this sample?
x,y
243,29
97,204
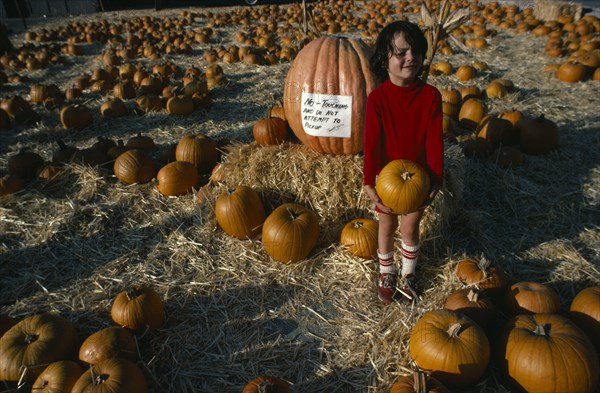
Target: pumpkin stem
x,y
132,293
30,338
484,264
293,213
406,175
358,224
266,387
473,295
542,330
420,381
454,329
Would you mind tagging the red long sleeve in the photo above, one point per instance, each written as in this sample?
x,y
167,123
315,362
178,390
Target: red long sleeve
x,y
403,123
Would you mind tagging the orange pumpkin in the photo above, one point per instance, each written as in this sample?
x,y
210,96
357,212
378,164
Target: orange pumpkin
x,y
403,186
326,70
240,212
529,297
270,131
538,135
473,303
547,353
419,382
359,237
267,383
134,166
138,307
177,178
585,312
58,377
290,232
483,274
199,150
35,342
115,375
471,113
450,347
113,341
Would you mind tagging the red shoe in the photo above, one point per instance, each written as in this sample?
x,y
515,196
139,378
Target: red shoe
x,y
409,288
387,287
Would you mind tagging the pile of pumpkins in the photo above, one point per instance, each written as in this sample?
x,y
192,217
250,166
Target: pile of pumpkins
x,y
181,167
44,351
519,328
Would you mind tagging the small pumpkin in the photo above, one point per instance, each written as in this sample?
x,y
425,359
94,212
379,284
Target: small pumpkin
x,y
138,307
530,297
114,375
124,90
403,186
471,113
113,107
177,178
473,303
270,131
142,142
508,157
148,103
418,382
483,274
359,237
199,150
465,72
134,166
451,347
110,342
290,232
25,164
266,383
571,72
35,342
547,353
585,312
180,105
240,212
538,135
58,377
498,131
75,116
10,184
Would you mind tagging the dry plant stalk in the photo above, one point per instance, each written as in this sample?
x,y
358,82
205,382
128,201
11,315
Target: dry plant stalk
x,y
436,28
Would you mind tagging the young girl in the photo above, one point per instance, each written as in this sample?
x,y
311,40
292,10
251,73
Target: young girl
x,y
403,121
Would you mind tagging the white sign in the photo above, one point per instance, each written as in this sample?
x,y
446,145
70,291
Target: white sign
x,y
327,115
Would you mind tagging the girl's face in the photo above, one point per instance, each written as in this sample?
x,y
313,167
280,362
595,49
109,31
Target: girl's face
x,y
403,63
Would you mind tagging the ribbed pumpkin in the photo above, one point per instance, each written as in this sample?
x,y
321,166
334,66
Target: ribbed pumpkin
x,y
35,342
529,297
270,131
199,150
473,303
177,178
330,66
266,383
359,237
58,377
134,166
451,347
585,312
110,342
548,353
483,274
114,375
180,105
403,186
290,232
419,382
138,307
75,116
471,113
240,212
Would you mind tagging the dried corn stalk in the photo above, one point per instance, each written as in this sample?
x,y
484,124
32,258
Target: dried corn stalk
x,y
436,28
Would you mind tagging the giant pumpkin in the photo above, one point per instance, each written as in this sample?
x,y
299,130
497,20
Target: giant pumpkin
x,y
325,93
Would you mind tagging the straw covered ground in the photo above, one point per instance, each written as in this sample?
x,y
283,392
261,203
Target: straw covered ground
x,y
232,313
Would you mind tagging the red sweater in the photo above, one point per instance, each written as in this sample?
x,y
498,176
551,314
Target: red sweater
x,y
404,123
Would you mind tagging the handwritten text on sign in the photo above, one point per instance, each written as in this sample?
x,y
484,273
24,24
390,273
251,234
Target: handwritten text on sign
x,y
327,115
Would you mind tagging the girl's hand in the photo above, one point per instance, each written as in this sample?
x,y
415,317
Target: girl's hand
x,y
377,202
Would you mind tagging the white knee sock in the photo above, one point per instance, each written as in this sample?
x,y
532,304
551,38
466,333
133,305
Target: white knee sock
x,y
386,263
409,258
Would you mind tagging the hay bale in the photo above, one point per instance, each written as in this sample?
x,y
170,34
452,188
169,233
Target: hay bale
x,y
546,10
331,185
